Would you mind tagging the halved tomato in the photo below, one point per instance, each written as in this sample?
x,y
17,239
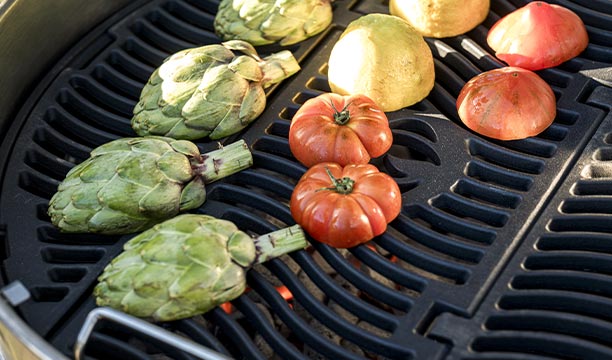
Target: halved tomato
x,y
508,103
538,36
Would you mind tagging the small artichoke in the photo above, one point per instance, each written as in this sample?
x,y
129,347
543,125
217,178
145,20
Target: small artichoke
x,y
130,184
209,91
263,22
186,266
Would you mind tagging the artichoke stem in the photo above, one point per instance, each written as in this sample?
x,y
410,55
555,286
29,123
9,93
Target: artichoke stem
x,y
277,67
279,242
225,161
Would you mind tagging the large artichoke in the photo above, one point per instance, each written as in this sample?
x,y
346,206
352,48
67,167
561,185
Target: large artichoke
x,y
187,265
263,22
130,184
209,91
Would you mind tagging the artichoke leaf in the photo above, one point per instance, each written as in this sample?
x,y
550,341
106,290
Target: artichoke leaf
x,y
175,166
246,67
193,195
162,201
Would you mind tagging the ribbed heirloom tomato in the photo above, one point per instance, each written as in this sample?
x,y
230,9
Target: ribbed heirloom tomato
x,y
508,103
342,129
538,36
345,206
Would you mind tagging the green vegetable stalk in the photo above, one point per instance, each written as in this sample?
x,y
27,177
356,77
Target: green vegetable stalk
x,y
209,91
186,266
130,184
263,22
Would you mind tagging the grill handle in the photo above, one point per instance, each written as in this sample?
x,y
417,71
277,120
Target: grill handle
x,y
143,327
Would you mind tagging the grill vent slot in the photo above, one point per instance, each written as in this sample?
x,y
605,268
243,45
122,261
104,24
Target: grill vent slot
x,y
470,210
498,176
58,254
38,184
445,234
504,158
49,293
69,274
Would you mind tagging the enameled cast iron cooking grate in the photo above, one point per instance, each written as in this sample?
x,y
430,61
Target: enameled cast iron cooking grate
x,y
502,249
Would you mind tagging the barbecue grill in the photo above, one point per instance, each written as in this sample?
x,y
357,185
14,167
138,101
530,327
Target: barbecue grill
x,y
503,249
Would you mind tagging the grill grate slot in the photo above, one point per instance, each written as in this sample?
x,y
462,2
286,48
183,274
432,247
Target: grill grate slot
x,y
574,281
51,235
340,295
158,38
413,146
85,110
339,325
497,156
443,101
431,232
450,81
588,204
362,281
37,184
474,190
592,330
382,265
200,333
447,224
470,210
69,254
69,274
169,23
427,265
546,345
48,293
598,243
498,176
298,326
59,145
118,83
592,263
110,101
130,66
587,305
273,145
75,129
582,223
278,343
47,164
144,55
191,14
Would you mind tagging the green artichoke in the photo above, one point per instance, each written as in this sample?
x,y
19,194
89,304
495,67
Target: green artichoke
x,y
130,184
186,266
263,22
209,91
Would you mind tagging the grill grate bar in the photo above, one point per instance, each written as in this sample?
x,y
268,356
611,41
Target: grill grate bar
x,y
335,292
363,282
570,303
348,331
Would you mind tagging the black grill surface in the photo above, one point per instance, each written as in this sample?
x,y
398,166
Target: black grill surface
x,y
503,250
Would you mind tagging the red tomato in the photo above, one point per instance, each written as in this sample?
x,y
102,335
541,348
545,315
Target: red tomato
x,y
508,103
344,207
538,36
342,129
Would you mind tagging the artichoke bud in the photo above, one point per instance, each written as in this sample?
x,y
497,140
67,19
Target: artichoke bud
x,y
203,91
186,266
130,184
262,22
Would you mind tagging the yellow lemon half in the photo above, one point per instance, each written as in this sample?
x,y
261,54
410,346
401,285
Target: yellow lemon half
x,y
441,18
383,57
